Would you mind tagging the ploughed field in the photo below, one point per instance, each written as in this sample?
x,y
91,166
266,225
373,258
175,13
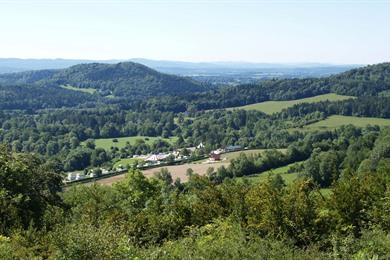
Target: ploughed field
x,y
270,107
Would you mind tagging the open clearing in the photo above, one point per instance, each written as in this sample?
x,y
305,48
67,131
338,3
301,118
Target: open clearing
x,y
335,121
232,155
270,107
126,161
107,143
179,171
287,177
85,90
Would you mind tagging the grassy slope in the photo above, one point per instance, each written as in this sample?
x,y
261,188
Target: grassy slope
x,y
288,177
107,142
85,90
271,107
335,121
126,161
232,155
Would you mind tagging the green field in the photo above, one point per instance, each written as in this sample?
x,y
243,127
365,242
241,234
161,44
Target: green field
x,y
270,107
126,161
85,90
107,143
287,177
233,155
335,121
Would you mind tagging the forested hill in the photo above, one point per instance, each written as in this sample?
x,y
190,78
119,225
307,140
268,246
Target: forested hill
x,y
122,79
370,80
367,81
131,84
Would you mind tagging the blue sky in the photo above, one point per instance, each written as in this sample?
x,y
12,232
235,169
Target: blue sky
x,y
257,31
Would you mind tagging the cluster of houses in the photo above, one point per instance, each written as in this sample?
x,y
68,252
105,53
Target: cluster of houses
x,y
76,176
215,155
152,160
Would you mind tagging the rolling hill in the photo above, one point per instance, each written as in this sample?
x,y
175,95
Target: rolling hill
x,y
130,83
121,79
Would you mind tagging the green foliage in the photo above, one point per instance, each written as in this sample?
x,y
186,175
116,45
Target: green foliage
x,y
83,241
26,191
323,168
156,218
227,240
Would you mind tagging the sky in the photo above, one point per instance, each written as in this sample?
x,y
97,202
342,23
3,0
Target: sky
x,y
337,32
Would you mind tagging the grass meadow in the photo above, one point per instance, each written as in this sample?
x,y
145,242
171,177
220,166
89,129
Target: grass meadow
x,y
270,107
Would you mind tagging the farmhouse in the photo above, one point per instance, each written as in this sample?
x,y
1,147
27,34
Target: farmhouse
x,y
157,157
215,156
233,148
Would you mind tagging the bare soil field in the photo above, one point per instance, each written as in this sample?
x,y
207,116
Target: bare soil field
x,y
177,171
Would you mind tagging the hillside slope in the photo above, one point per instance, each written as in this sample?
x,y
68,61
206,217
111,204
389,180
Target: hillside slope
x,y
131,84
367,81
121,79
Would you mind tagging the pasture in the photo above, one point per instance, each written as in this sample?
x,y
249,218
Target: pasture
x,y
107,143
335,121
85,90
270,107
233,155
126,161
282,171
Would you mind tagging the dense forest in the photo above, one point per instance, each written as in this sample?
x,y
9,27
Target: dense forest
x,y
122,79
337,207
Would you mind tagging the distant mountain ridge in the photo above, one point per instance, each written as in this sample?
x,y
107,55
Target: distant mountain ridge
x,y
10,65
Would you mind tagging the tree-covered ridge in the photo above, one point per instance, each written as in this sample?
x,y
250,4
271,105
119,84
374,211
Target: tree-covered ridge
x,y
369,80
27,77
32,97
134,86
122,79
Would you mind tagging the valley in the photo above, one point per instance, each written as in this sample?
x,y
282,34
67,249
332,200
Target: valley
x,y
194,130
157,154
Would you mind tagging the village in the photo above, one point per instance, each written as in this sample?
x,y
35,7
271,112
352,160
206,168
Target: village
x,y
149,161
